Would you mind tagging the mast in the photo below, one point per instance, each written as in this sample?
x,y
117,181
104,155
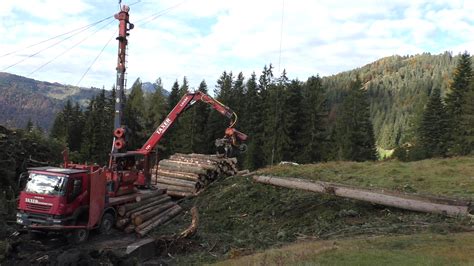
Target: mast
x,y
124,27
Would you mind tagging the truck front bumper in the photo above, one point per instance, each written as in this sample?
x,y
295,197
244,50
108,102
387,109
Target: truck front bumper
x,y
29,219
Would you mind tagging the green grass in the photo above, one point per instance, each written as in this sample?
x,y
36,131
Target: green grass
x,y
240,217
452,177
382,153
423,249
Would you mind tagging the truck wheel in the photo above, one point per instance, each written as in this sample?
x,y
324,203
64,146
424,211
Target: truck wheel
x,y
78,236
106,224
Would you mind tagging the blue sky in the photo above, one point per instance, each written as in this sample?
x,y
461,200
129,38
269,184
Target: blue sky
x,y
200,39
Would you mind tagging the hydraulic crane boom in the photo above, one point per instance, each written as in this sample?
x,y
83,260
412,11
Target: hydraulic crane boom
x,y
186,102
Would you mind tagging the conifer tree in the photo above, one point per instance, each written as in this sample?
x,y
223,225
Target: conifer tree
x,y
216,123
97,130
313,137
157,106
466,140
354,136
434,126
276,123
252,125
134,117
174,96
294,121
456,102
183,133
200,114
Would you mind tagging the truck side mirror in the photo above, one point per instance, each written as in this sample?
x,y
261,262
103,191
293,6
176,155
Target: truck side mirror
x,y
77,188
22,180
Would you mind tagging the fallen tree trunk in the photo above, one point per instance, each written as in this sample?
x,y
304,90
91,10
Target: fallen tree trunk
x,y
146,216
149,195
207,166
150,208
176,188
448,207
131,206
160,219
174,181
157,200
166,165
180,194
179,175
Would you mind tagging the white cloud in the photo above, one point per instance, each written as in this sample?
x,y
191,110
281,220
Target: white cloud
x,y
201,39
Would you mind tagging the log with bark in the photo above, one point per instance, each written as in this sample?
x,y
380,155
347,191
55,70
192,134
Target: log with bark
x,y
127,208
149,207
449,207
158,220
185,175
139,219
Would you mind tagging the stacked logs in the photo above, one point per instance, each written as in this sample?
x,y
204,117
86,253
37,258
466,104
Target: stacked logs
x,y
147,212
186,174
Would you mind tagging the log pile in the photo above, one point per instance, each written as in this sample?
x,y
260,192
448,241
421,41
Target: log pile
x,y
185,175
147,212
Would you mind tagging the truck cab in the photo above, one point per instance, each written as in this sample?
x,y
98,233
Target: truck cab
x,y
53,196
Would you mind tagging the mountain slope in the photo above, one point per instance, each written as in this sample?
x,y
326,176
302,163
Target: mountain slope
x,y
22,99
398,87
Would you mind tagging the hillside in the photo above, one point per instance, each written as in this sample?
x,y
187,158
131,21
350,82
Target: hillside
x,y
22,99
239,217
398,87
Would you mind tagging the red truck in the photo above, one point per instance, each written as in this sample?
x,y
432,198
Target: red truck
x,y
77,198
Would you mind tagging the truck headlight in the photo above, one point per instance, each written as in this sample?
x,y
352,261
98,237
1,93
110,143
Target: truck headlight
x,y
56,221
19,221
18,215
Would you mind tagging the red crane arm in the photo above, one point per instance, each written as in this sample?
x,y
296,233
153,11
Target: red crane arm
x,y
186,101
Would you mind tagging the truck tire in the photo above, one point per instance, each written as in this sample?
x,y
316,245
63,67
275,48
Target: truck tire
x,y
78,236
106,224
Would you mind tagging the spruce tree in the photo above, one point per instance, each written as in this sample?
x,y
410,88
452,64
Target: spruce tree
x,y
134,117
466,140
354,136
313,137
184,132
216,122
294,121
157,108
456,102
252,125
434,126
169,139
200,114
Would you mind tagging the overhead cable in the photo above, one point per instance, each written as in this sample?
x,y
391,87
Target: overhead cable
x,y
158,14
49,47
97,57
55,37
70,48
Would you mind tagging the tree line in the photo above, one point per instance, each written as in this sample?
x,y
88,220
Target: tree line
x,y
445,127
286,120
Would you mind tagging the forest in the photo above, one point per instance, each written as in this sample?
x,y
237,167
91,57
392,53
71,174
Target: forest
x,y
417,106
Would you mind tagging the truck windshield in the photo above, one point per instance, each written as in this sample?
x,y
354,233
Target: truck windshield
x,y
46,184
